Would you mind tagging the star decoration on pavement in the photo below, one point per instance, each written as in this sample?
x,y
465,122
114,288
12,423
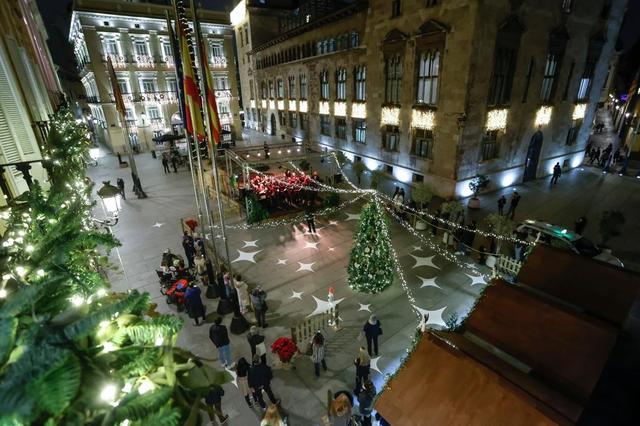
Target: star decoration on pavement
x,y
333,222
250,244
244,255
157,225
305,267
351,216
296,295
364,307
281,262
431,317
323,306
417,248
332,249
424,261
477,279
311,245
373,364
428,282
234,375
218,236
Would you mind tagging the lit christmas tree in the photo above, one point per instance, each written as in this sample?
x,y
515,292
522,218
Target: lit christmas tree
x,y
371,265
71,352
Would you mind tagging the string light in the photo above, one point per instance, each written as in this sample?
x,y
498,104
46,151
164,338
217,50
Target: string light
x,y
109,394
145,386
159,341
3,293
76,300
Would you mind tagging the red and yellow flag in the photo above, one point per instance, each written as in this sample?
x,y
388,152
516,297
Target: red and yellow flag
x,y
214,120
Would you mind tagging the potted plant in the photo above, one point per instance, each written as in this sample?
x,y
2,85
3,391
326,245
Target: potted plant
x,y
376,175
476,185
422,193
358,169
455,211
285,348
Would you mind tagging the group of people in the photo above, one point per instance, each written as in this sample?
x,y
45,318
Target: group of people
x,y
603,158
284,190
513,204
173,158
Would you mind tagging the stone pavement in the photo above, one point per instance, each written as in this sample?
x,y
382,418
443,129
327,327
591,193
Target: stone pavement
x,y
312,264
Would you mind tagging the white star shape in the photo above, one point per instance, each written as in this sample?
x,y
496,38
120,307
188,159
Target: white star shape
x,y
305,267
157,225
296,295
218,236
250,244
373,364
433,317
477,279
428,282
424,261
351,216
244,255
311,245
332,249
281,262
417,248
333,222
364,307
323,306
234,375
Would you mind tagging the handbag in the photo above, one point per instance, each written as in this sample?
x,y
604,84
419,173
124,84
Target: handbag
x,y
261,349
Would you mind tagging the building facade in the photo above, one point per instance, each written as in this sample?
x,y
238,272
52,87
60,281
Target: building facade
x,y
29,93
431,90
134,35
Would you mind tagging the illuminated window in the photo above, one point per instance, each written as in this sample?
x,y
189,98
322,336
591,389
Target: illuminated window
x,y
359,131
360,82
341,84
324,85
428,77
423,143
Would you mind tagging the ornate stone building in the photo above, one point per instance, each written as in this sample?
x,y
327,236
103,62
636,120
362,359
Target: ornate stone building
x,y
431,90
134,35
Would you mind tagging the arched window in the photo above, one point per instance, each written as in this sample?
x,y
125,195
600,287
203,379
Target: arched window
x,y
428,69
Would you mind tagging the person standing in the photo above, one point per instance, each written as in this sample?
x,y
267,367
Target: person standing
x,y
365,402
513,204
174,162
265,146
256,342
242,290
214,405
242,374
363,368
311,219
501,202
557,171
260,376
220,338
580,224
318,353
340,409
193,303
189,248
120,183
259,301
272,417
372,330
165,163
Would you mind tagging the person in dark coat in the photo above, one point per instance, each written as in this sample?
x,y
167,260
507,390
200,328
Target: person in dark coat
x,y
256,342
580,224
513,204
501,202
189,248
193,303
372,330
242,374
311,219
220,338
174,163
557,171
365,402
363,368
165,164
259,302
120,184
260,376
214,405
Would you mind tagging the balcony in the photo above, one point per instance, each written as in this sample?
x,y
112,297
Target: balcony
x,y
93,100
118,61
150,97
167,61
144,61
218,62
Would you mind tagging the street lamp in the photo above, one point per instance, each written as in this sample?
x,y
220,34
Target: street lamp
x,y
110,197
143,126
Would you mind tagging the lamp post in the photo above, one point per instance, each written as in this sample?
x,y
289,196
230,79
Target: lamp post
x,y
110,197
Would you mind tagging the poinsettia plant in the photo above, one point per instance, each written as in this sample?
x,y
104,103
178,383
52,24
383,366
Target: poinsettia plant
x,y
285,348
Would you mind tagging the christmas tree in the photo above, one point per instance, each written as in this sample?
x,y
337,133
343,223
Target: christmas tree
x,y
71,352
371,265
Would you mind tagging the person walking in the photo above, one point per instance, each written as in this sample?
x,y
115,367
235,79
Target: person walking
x,y
318,352
260,376
242,290
120,184
501,202
259,301
272,417
165,163
214,405
311,219
513,204
365,402
193,303
242,379
372,330
189,248
256,342
220,338
557,171
363,368
174,162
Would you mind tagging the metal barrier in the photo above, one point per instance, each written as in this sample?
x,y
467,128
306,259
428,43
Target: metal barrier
x,y
304,331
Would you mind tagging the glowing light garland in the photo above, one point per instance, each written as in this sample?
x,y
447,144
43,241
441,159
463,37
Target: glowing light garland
x,y
579,111
303,106
423,119
323,108
390,116
543,115
497,119
359,110
292,105
340,109
263,104
252,103
280,105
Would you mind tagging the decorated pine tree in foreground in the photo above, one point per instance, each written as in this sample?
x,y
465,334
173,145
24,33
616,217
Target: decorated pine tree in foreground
x,y
71,352
371,264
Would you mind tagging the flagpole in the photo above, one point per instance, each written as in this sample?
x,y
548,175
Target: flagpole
x,y
182,113
214,147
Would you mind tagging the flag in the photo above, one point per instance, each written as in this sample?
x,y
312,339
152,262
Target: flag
x,y
115,88
212,106
178,65
192,101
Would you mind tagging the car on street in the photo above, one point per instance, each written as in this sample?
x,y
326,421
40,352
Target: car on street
x,y
561,237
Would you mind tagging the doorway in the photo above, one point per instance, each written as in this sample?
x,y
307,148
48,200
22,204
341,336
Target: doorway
x,y
533,155
272,131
